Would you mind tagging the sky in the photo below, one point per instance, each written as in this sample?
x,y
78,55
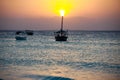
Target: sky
x,y
44,14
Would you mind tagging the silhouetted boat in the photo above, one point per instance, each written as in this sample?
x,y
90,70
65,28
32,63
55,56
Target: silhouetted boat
x,y
20,38
18,32
20,35
29,32
61,35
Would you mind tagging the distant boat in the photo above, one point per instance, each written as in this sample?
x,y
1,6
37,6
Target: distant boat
x,y
61,35
19,32
20,35
20,38
29,32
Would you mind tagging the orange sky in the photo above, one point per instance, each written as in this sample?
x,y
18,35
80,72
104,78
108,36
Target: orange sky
x,y
79,14
36,8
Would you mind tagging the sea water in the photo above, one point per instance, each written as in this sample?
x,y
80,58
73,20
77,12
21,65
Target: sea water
x,y
87,55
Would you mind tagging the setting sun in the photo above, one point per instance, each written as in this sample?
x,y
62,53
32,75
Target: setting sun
x,y
59,5
62,12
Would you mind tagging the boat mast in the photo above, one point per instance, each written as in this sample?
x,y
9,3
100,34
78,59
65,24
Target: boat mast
x,y
62,24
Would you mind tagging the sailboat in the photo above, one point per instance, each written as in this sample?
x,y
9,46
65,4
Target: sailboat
x,y
20,35
61,35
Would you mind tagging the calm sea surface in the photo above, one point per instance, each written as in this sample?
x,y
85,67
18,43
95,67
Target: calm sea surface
x,y
87,55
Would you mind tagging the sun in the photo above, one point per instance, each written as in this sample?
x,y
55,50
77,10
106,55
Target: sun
x,y
62,7
62,12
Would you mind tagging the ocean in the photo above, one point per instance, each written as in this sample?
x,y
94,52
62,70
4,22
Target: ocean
x,y
87,55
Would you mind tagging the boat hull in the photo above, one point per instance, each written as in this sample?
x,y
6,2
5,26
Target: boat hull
x,y
61,38
20,38
29,32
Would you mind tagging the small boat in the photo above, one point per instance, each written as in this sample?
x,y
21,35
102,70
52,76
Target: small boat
x,y
18,32
29,32
20,35
20,38
61,35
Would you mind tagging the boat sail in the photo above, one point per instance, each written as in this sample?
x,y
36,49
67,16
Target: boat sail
x,y
61,35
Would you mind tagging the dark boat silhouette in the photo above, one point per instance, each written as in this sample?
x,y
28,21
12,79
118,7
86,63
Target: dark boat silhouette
x,y
20,35
29,32
61,35
18,32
